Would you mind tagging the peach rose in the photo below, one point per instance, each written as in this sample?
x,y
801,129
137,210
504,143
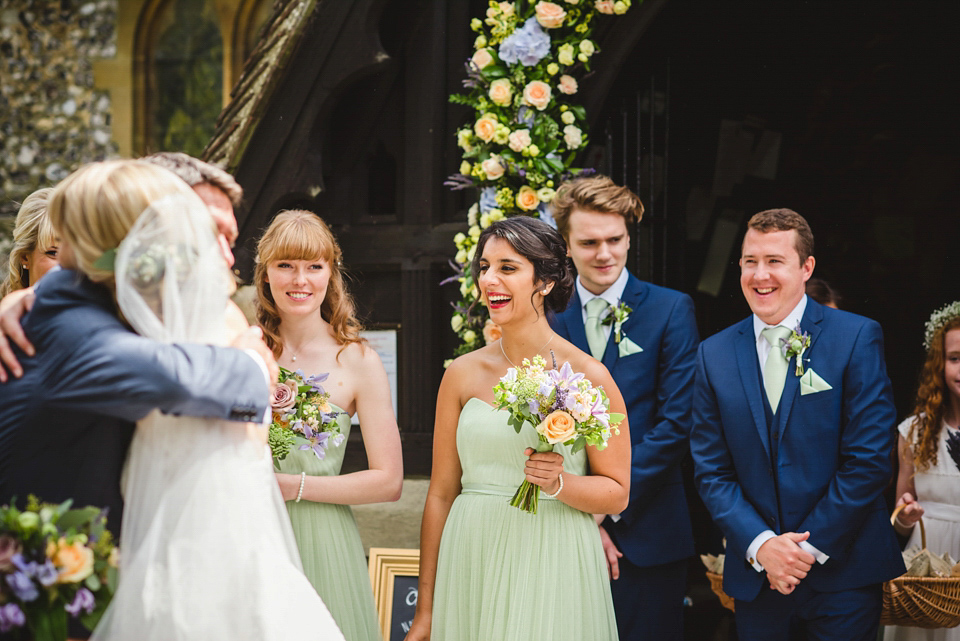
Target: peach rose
x,y
605,6
485,128
491,332
507,9
568,85
519,140
527,198
558,427
501,92
550,15
537,94
482,58
492,167
74,561
284,396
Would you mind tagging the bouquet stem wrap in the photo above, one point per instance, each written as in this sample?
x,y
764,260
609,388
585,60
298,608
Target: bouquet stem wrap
x,y
527,497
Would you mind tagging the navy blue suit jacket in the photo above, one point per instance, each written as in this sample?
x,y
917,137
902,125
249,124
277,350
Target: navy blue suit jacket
x,y
657,386
828,467
65,426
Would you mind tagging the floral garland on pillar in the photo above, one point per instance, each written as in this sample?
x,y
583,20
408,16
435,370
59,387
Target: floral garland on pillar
x,y
527,130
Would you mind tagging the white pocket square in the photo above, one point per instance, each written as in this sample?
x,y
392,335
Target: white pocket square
x,y
627,347
811,383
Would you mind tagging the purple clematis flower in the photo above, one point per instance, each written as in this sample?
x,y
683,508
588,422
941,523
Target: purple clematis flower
x,y
82,601
565,377
23,587
318,441
46,574
314,382
11,616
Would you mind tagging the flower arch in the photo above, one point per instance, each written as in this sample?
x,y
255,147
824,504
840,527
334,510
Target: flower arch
x,y
522,82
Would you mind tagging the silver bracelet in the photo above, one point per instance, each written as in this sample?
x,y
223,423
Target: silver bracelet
x,y
554,495
303,477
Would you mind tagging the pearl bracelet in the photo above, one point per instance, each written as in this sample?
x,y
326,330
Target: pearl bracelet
x,y
904,525
303,477
554,495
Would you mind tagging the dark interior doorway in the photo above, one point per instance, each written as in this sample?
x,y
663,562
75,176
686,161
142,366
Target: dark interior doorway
x,y
845,112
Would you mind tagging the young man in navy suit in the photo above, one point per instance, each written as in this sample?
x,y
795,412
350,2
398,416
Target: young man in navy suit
x,y
647,337
792,433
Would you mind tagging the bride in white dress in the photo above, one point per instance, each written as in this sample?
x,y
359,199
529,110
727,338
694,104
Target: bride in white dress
x,y
207,550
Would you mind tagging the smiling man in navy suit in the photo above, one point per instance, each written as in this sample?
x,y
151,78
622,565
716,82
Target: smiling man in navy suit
x,y
647,337
792,433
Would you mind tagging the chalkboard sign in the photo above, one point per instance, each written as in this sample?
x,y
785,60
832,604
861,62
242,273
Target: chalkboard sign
x,y
394,575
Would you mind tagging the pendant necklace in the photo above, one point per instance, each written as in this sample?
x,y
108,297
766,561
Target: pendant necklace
x,y
293,354
538,351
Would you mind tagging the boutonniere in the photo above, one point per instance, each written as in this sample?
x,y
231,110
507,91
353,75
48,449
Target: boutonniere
x,y
795,345
618,316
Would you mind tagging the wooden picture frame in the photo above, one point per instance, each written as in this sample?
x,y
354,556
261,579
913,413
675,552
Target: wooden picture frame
x,y
390,568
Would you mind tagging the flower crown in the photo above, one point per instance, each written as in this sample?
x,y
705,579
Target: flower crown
x,y
937,320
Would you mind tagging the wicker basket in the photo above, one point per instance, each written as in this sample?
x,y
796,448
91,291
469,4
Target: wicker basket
x,y
716,584
921,602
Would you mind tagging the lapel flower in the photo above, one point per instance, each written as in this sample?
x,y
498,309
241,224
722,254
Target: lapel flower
x,y
618,316
795,345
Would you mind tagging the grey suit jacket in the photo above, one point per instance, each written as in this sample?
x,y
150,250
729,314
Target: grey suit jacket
x,y
65,426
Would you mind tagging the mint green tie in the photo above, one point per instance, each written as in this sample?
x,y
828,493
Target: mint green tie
x,y
775,369
595,336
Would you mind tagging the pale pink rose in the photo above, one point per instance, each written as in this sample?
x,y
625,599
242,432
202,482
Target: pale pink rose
x,y
568,85
284,396
527,198
550,15
520,140
507,8
501,92
492,167
605,6
537,94
485,128
482,58
491,332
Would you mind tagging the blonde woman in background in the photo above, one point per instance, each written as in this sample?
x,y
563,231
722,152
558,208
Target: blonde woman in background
x,y
35,246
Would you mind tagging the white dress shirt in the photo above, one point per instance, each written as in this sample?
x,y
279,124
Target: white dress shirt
x,y
763,350
611,295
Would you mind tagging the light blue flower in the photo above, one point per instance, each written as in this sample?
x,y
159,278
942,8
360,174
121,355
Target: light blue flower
x,y
488,199
544,212
528,45
526,116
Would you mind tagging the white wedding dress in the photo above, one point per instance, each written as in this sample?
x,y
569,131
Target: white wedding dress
x,y
207,550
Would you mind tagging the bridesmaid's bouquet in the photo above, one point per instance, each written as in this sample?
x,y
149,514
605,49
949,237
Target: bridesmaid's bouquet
x,y
55,562
563,406
302,416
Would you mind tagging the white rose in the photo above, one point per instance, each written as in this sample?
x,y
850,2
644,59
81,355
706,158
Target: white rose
x,y
492,167
572,136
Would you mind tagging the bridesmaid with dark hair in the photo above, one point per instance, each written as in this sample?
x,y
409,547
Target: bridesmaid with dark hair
x,y
489,570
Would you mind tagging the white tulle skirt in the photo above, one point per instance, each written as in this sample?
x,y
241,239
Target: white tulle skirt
x,y
207,551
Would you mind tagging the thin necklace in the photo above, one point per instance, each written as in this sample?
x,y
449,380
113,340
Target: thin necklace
x,y
538,351
293,354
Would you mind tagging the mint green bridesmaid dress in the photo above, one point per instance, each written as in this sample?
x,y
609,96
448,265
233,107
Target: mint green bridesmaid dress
x,y
330,547
511,576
